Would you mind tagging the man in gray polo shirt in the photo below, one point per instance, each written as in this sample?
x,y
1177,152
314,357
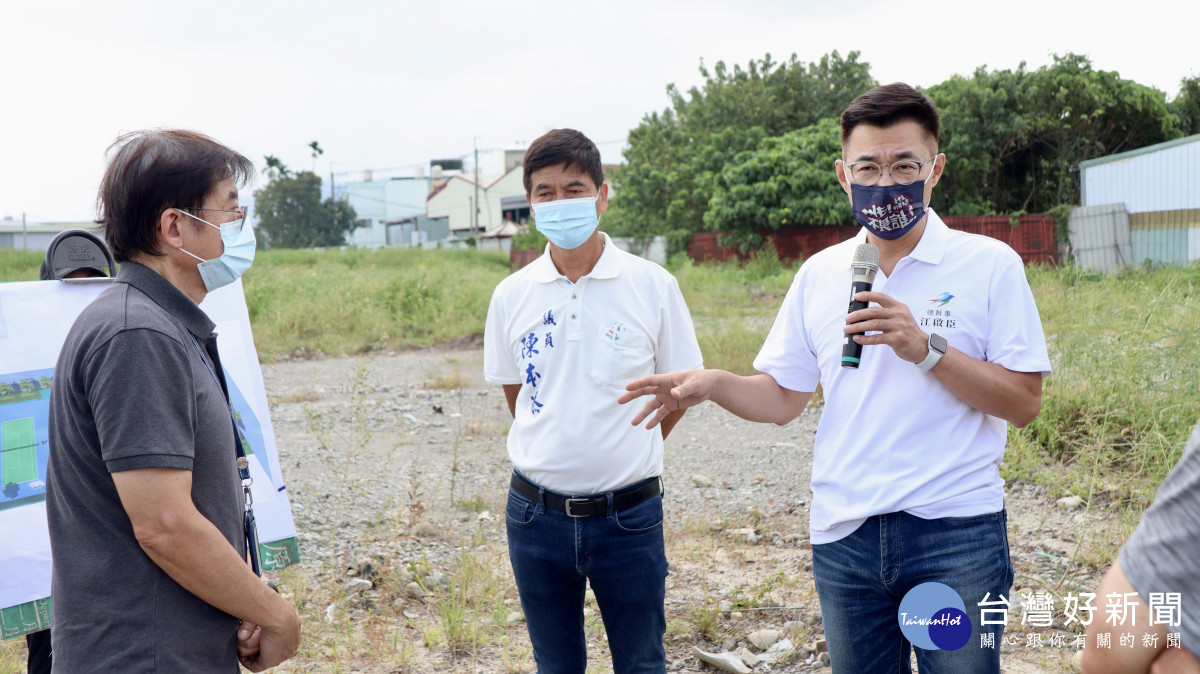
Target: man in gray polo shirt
x,y
143,496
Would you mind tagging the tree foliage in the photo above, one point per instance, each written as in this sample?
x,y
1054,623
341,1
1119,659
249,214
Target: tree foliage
x,y
1186,105
786,181
292,215
752,148
675,156
1014,139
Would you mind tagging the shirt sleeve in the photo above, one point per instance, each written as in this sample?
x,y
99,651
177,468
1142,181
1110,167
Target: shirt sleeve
x,y
788,354
677,345
1015,339
143,400
499,367
1160,556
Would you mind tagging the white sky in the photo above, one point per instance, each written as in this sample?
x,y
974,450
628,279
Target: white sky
x,y
395,83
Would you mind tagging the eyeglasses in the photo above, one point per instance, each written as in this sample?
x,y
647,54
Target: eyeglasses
x,y
242,211
903,172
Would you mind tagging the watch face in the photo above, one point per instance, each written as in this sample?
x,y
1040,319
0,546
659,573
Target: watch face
x,y
937,343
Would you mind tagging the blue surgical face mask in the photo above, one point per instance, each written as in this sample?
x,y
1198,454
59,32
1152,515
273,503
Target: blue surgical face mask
x,y
567,223
239,254
888,211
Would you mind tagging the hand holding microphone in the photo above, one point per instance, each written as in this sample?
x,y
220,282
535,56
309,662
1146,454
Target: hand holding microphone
x,y
864,266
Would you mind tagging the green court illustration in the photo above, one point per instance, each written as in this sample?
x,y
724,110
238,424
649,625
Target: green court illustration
x,y
24,436
18,452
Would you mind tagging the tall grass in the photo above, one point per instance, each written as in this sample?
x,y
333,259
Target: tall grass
x,y
733,307
1123,396
19,265
352,301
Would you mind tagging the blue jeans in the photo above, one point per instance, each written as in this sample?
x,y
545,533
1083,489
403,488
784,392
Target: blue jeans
x,y
620,553
862,578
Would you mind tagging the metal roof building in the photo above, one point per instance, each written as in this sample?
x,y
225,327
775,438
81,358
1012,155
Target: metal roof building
x,y
1142,205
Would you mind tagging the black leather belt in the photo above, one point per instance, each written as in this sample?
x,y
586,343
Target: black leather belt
x,y
586,506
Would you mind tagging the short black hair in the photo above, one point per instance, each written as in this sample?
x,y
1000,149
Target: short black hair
x,y
563,146
888,105
151,171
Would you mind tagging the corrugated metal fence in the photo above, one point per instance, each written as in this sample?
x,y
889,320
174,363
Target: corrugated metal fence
x,y
1108,238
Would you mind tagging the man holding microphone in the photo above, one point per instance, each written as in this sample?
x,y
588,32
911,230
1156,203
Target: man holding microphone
x,y
905,477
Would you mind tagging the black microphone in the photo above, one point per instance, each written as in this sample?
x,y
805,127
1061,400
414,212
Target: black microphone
x,y
864,266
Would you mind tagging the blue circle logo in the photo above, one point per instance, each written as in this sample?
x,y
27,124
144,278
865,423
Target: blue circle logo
x,y
932,616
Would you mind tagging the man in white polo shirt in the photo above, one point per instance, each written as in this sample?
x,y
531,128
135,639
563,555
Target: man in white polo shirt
x,y
564,335
905,478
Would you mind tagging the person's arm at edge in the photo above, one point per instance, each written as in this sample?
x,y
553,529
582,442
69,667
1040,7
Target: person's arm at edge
x,y
754,398
1133,660
192,551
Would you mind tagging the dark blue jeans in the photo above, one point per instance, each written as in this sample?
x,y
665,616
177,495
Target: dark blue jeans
x,y
620,553
862,578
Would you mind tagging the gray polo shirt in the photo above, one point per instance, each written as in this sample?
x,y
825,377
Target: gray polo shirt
x,y
131,391
1160,556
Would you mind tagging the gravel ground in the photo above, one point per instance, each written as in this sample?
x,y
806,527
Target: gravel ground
x,y
380,453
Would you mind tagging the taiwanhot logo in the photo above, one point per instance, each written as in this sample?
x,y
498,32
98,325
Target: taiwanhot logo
x,y
933,616
943,299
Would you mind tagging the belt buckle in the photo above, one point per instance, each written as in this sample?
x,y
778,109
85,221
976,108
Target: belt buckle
x,y
575,500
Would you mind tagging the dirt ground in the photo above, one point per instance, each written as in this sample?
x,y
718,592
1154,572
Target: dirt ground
x,y
403,455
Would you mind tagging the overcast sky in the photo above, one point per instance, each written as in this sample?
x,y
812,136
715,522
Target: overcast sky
x,y
387,84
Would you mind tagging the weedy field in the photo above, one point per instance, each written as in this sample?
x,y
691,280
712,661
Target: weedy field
x,y
430,545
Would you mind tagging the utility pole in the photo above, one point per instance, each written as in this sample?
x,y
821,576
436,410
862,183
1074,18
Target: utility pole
x,y
24,233
475,221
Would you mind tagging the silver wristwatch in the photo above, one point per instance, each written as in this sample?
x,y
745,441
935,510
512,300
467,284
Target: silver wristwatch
x,y
937,349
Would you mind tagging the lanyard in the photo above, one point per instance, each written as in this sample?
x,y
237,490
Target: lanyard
x,y
243,467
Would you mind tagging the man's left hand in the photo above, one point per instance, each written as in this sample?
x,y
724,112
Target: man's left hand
x,y
893,321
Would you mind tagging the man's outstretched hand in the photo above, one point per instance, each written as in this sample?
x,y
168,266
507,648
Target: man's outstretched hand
x,y
671,391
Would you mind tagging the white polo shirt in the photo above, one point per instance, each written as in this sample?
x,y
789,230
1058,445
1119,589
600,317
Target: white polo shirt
x,y
573,348
891,438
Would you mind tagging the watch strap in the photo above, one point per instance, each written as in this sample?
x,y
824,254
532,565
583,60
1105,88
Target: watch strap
x,y
932,358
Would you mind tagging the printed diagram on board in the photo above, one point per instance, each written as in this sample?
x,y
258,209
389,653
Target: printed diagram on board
x,y
24,447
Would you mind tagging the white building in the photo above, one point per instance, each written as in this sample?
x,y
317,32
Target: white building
x,y
501,199
1141,205
37,236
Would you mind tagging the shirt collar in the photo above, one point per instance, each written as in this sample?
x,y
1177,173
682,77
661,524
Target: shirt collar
x,y
167,296
932,245
607,266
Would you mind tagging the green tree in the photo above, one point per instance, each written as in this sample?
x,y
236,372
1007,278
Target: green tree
x,y
29,385
786,181
45,382
5,389
315,147
292,215
986,137
675,156
1013,138
275,168
1186,105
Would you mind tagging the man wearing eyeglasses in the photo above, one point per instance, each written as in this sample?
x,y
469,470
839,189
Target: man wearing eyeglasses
x,y
146,508
905,477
